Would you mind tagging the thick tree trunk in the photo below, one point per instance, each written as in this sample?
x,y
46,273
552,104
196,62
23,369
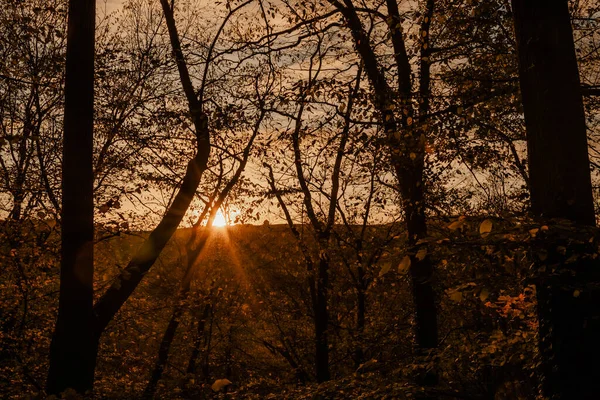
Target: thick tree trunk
x,y
421,267
560,187
421,270
568,296
73,348
557,148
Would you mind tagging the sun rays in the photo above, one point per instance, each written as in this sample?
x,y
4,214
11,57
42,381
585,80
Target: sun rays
x,y
220,220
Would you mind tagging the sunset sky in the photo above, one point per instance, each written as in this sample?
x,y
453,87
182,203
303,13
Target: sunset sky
x,y
111,5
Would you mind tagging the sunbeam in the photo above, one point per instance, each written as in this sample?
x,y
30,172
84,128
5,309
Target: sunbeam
x,y
220,220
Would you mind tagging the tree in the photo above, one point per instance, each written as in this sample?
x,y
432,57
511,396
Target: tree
x,y
560,188
321,219
406,145
194,247
554,116
73,353
111,301
33,45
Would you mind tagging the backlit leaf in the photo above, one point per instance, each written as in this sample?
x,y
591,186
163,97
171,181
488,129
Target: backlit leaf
x,y
220,384
456,296
421,254
484,294
385,268
486,227
458,224
404,265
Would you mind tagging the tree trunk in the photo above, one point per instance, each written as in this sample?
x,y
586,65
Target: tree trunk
x,y
191,368
109,304
163,352
568,295
560,187
73,348
169,335
18,197
407,148
361,310
559,167
421,269
321,321
207,345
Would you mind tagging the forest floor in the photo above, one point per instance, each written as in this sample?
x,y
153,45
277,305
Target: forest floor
x,y
378,382
369,385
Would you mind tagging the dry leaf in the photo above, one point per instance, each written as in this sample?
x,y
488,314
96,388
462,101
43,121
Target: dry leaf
x,y
220,384
385,268
486,227
484,294
456,225
404,265
456,296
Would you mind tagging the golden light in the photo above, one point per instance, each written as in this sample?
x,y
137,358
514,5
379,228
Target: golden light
x,y
219,220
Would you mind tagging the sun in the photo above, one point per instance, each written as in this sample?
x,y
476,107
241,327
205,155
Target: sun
x,y
219,220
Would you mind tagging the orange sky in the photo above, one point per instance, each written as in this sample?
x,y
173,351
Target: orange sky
x,y
110,5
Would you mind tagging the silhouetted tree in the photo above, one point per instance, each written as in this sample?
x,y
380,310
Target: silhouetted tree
x,y
73,353
406,145
561,187
559,166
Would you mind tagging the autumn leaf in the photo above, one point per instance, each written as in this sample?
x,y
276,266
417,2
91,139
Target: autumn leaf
x,y
486,227
533,232
458,224
456,296
421,254
484,294
404,265
385,268
220,384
